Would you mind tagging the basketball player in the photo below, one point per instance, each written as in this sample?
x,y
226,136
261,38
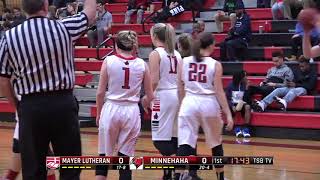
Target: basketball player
x,y
163,62
200,81
119,117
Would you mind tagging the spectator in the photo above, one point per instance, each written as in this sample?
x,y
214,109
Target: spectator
x,y
277,76
235,95
6,12
304,83
184,45
238,38
136,6
61,3
287,4
103,24
52,12
297,41
175,8
227,14
5,26
277,9
263,3
71,9
18,17
197,28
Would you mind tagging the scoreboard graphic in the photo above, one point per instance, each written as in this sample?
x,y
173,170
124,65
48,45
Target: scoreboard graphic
x,y
153,162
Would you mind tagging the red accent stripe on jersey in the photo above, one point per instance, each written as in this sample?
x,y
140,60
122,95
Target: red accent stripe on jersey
x,y
156,109
126,58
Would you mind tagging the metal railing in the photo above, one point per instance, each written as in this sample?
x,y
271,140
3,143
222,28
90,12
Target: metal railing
x,y
103,44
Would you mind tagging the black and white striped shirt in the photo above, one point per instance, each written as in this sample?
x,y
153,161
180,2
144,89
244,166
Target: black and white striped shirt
x,y
39,55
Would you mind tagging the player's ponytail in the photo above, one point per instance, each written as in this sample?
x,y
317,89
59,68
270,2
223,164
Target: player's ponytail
x,y
205,40
164,33
169,39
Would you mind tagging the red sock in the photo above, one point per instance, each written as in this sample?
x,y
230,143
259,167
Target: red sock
x,y
11,175
51,177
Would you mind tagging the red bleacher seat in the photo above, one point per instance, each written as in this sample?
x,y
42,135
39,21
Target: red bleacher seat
x,y
134,27
260,13
83,79
5,107
122,7
90,52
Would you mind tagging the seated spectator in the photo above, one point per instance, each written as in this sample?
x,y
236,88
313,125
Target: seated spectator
x,y
103,24
175,8
287,4
18,17
304,83
52,12
5,13
69,10
184,44
197,28
138,7
61,3
235,93
5,26
263,3
227,14
277,9
297,41
277,76
235,45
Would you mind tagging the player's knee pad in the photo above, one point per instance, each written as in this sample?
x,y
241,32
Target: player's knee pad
x,y
184,150
102,170
218,151
167,148
15,146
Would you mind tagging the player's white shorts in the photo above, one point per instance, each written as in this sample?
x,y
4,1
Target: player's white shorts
x,y
165,108
16,129
196,111
119,125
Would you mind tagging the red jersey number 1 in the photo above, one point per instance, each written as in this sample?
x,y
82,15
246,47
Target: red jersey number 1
x,y
173,64
126,78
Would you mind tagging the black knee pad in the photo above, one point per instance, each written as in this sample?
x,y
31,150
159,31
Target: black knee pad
x,y
184,150
102,170
218,151
124,174
167,148
15,146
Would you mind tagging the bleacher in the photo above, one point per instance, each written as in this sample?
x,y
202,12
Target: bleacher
x,y
302,116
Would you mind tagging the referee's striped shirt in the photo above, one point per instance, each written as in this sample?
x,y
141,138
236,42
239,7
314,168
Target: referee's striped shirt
x,y
38,54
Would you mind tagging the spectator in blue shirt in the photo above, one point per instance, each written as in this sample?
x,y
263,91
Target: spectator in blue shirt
x,y
238,38
103,25
297,41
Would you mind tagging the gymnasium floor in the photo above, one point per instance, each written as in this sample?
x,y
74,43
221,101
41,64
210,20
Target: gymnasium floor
x,y
293,159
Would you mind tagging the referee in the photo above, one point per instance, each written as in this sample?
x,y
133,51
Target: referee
x,y
38,57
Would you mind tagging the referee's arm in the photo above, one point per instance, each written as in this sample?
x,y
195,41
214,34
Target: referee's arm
x,y
6,73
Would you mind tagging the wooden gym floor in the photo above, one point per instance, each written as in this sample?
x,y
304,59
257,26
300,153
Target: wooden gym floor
x,y
293,159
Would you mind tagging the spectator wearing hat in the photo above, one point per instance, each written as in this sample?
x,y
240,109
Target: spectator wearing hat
x,y
238,36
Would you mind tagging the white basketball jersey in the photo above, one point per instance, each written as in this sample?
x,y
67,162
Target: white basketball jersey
x,y
125,76
168,69
198,77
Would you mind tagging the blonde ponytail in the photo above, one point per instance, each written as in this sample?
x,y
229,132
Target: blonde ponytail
x,y
169,39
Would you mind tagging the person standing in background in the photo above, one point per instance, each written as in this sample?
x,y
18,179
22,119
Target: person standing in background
x,y
38,56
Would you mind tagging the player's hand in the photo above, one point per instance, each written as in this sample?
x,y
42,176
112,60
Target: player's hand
x,y
271,84
229,125
234,109
145,104
97,120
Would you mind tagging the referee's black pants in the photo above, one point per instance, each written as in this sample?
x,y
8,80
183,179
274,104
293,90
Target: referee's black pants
x,y
44,118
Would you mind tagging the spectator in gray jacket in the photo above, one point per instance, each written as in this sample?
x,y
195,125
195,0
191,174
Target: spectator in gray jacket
x,y
277,76
103,25
304,83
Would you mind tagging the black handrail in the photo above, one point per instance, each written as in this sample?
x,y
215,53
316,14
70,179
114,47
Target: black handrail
x,y
102,44
145,21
